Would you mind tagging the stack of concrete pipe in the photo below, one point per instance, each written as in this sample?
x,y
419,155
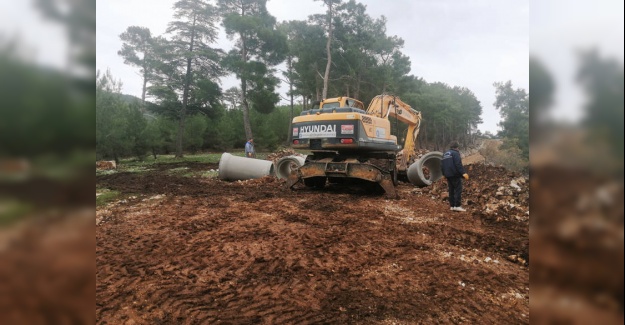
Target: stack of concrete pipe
x,y
431,161
234,168
285,165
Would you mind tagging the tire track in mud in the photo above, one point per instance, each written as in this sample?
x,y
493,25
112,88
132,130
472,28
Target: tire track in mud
x,y
273,256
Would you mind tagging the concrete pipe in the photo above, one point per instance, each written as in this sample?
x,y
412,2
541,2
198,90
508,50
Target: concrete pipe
x,y
285,165
234,168
426,170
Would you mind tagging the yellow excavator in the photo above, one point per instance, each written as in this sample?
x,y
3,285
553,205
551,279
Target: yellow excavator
x,y
348,142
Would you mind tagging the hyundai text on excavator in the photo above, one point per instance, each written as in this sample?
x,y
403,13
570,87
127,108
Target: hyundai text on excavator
x,y
348,142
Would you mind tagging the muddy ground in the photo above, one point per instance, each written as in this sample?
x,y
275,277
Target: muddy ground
x,y
199,250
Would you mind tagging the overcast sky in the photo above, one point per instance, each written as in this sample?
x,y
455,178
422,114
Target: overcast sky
x,y
559,30
43,42
462,43
470,43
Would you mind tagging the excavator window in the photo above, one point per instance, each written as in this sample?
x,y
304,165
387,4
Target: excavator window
x,y
332,105
354,103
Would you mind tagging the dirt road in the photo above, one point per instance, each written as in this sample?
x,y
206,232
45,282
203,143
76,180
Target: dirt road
x,y
199,250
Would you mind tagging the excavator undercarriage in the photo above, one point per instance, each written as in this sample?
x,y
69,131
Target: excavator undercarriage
x,y
320,167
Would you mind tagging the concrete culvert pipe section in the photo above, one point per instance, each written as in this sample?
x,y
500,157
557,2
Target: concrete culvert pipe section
x,y
285,165
426,170
234,168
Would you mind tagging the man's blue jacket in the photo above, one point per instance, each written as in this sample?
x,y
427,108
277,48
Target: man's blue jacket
x,y
452,164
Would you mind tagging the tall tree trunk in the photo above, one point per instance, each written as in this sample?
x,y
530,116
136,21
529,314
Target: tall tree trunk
x,y
246,110
143,90
290,67
357,91
185,94
289,132
246,114
247,125
326,76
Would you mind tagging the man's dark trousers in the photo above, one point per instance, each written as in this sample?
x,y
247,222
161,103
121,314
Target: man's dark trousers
x,y
455,191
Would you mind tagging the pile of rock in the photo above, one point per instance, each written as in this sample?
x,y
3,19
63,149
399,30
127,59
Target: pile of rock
x,y
490,190
285,152
105,165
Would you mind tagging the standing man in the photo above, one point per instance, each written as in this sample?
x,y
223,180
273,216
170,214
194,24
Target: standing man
x,y
454,172
249,149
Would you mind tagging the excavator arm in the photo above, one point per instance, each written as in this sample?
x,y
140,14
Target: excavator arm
x,y
387,105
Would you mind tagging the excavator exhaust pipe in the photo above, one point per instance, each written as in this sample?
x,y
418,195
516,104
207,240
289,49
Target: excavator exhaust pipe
x,y
426,170
234,168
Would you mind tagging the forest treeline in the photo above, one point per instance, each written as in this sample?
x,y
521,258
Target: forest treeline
x,y
343,52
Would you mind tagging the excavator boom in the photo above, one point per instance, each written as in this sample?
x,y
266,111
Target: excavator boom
x,y
388,105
